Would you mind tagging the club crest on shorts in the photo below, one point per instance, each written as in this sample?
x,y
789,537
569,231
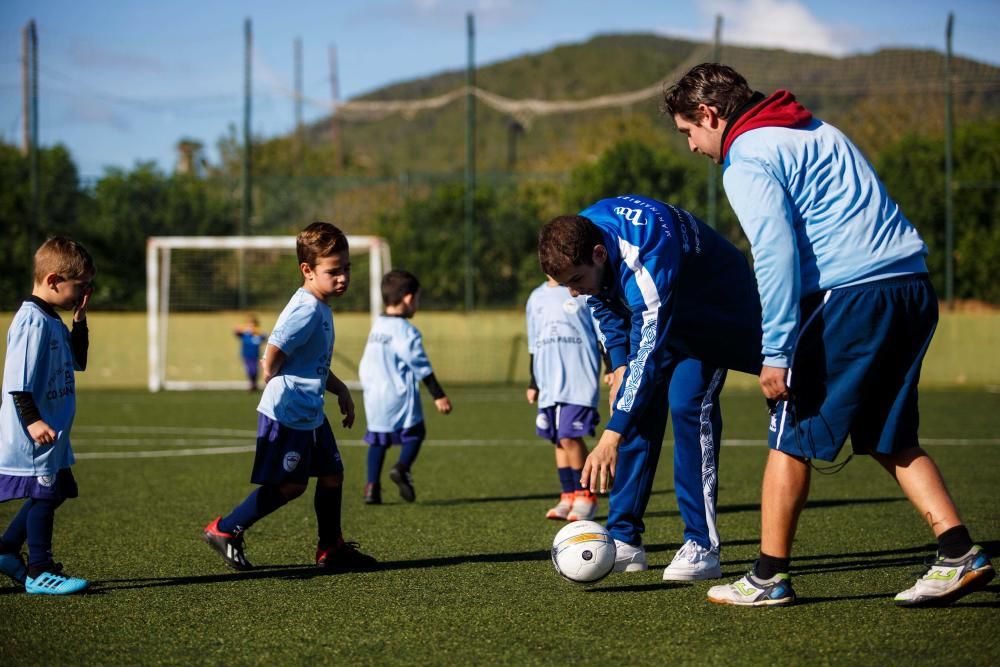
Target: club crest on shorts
x,y
291,461
46,480
542,421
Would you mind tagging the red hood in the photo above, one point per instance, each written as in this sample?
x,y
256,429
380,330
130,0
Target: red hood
x,y
778,110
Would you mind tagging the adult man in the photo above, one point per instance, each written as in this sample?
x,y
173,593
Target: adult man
x,y
676,306
848,313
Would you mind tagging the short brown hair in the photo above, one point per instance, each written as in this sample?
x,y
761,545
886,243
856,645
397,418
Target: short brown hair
x,y
318,240
64,257
397,284
565,241
711,84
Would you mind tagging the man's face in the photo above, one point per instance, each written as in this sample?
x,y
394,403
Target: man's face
x,y
585,278
705,135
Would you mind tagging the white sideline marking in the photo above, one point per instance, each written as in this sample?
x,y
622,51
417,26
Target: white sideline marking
x,y
535,442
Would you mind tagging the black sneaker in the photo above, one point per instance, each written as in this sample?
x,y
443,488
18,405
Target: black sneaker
x,y
373,494
404,480
345,556
229,545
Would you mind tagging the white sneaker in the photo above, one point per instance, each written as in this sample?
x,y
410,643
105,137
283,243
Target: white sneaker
x,y
948,579
584,507
629,558
693,562
561,510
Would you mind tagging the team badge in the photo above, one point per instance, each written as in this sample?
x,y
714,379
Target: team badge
x,y
291,461
571,306
46,480
542,421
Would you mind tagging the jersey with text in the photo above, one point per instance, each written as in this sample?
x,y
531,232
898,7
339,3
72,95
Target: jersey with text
x,y
392,366
304,332
563,339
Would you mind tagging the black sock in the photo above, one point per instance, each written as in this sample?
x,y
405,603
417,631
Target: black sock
x,y
954,542
768,566
327,503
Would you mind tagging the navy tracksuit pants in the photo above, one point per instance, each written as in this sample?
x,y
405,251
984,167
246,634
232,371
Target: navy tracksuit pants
x,y
691,391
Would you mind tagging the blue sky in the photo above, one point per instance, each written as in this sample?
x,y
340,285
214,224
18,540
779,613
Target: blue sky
x,y
122,81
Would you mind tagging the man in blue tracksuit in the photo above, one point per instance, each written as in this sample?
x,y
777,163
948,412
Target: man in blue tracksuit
x,y
848,313
676,307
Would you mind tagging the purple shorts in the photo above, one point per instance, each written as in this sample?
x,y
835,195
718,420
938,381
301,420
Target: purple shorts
x,y
59,487
404,436
288,455
564,420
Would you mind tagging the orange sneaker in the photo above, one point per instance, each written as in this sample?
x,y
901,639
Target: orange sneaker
x,y
584,506
561,510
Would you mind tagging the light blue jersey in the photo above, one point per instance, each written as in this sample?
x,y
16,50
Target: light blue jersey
x,y
40,361
304,332
392,366
817,218
563,340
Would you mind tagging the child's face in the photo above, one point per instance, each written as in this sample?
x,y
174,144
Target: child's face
x,y
411,302
68,293
330,277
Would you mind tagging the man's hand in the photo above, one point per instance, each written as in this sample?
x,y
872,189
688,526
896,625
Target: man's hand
x,y
532,395
599,469
42,433
443,405
616,382
772,383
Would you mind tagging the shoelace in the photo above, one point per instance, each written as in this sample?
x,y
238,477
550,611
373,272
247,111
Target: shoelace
x,y
689,551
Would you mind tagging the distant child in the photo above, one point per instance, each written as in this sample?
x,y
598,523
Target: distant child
x,y
565,362
251,338
393,364
36,415
294,438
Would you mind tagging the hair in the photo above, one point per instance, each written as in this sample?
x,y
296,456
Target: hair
x,y
318,240
64,257
711,84
565,241
397,284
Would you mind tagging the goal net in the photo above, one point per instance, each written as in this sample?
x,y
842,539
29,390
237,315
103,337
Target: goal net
x,y
200,290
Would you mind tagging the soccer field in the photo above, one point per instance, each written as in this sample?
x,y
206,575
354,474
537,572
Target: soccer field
x,y
465,575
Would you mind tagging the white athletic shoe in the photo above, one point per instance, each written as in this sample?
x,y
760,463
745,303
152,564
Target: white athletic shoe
x,y
584,507
693,562
629,558
948,579
749,591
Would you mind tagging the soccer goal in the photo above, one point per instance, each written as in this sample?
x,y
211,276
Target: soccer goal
x,y
199,289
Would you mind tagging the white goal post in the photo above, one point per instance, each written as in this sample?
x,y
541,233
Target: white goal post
x,y
162,251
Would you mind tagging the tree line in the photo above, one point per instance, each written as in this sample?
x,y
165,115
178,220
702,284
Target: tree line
x,y
423,219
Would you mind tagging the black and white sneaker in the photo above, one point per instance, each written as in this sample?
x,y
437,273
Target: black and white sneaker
x,y
404,480
229,545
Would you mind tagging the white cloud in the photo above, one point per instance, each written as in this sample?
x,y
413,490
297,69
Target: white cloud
x,y
783,24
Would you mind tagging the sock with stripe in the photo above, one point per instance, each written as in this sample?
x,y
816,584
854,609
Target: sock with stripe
x,y
954,542
262,501
376,459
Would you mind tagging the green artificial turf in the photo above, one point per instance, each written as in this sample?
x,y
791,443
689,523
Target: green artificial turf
x,y
465,576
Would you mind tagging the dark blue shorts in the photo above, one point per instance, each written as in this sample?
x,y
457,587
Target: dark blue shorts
x,y
57,487
288,455
564,420
404,436
855,369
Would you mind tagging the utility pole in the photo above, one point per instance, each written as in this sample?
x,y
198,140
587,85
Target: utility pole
x,y
335,128
949,185
25,90
470,161
713,169
29,73
298,96
247,154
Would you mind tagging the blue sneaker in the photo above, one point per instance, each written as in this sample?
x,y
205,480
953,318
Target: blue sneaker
x,y
50,583
13,566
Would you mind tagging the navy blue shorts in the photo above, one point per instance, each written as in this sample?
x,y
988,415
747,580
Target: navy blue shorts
x,y
404,436
288,455
855,369
56,487
565,420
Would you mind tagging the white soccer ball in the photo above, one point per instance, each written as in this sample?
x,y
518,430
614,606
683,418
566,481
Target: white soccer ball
x,y
584,552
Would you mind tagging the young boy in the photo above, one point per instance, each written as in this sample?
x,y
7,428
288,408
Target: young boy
x,y
565,361
294,438
251,338
393,364
37,412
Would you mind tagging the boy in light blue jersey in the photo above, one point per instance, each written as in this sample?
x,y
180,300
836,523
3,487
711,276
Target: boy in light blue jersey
x,y
848,313
676,307
294,438
392,366
565,362
37,411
